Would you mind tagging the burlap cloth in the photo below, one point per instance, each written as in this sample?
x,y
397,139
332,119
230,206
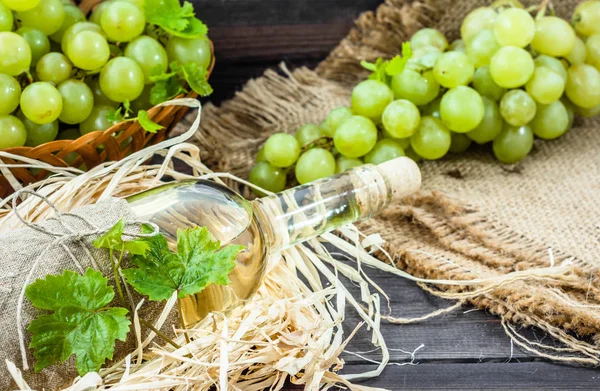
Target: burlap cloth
x,y
475,217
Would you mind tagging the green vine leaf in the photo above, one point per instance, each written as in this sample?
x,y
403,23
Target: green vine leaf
x,y
113,240
146,123
175,19
197,263
81,323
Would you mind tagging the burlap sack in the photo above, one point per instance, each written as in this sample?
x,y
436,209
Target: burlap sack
x,y
475,217
28,254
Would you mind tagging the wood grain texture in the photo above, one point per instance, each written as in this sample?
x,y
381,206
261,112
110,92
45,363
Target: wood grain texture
x,y
252,35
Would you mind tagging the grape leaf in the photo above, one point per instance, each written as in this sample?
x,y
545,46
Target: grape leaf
x,y
167,86
197,263
195,76
113,240
174,18
384,70
147,123
116,115
81,323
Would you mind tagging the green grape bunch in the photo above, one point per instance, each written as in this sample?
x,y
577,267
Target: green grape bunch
x,y
64,74
515,74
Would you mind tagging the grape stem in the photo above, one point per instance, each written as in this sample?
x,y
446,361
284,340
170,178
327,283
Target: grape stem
x,y
544,5
322,142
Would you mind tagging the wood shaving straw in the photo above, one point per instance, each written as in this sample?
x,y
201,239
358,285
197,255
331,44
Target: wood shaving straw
x,y
292,328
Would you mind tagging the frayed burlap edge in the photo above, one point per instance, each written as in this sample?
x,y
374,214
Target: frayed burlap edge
x,y
446,239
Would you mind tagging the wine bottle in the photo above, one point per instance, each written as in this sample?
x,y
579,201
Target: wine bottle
x,y
270,224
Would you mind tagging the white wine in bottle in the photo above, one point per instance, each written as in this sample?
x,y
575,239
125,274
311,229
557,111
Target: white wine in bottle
x,y
270,224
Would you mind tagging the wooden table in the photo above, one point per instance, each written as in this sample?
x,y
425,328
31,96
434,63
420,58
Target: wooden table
x,y
466,350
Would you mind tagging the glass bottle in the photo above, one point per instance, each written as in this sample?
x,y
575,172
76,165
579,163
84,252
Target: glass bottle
x,y
270,224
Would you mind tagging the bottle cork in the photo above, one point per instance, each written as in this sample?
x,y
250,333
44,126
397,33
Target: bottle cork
x,y
402,175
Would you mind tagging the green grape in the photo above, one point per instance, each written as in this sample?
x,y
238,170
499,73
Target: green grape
x,y
401,118
122,79
21,5
570,107
583,85
282,150
586,113
15,54
99,98
578,54
552,63
355,137
425,61
69,134
6,18
511,67
149,54
97,120
383,151
551,121
345,163
38,43
432,140
12,132
461,110
96,16
260,156
335,119
41,103
477,20
88,50
482,47
308,133
78,101
370,98
433,108
553,36
53,67
458,46
514,27
267,177
72,15
185,51
453,69
75,29
122,21
491,124
517,107
424,50
38,134
485,85
48,16
586,18
592,47
429,37
418,88
143,101
460,143
513,144
316,163
545,86
412,155
404,142
10,93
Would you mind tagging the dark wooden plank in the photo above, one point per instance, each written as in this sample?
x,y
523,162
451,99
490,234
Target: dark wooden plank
x,y
252,35
513,375
463,335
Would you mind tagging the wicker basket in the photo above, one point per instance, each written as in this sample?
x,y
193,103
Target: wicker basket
x,y
98,147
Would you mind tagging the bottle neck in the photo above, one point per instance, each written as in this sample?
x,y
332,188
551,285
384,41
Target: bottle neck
x,y
305,212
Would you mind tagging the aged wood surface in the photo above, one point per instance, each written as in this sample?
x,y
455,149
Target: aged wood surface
x,y
465,350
